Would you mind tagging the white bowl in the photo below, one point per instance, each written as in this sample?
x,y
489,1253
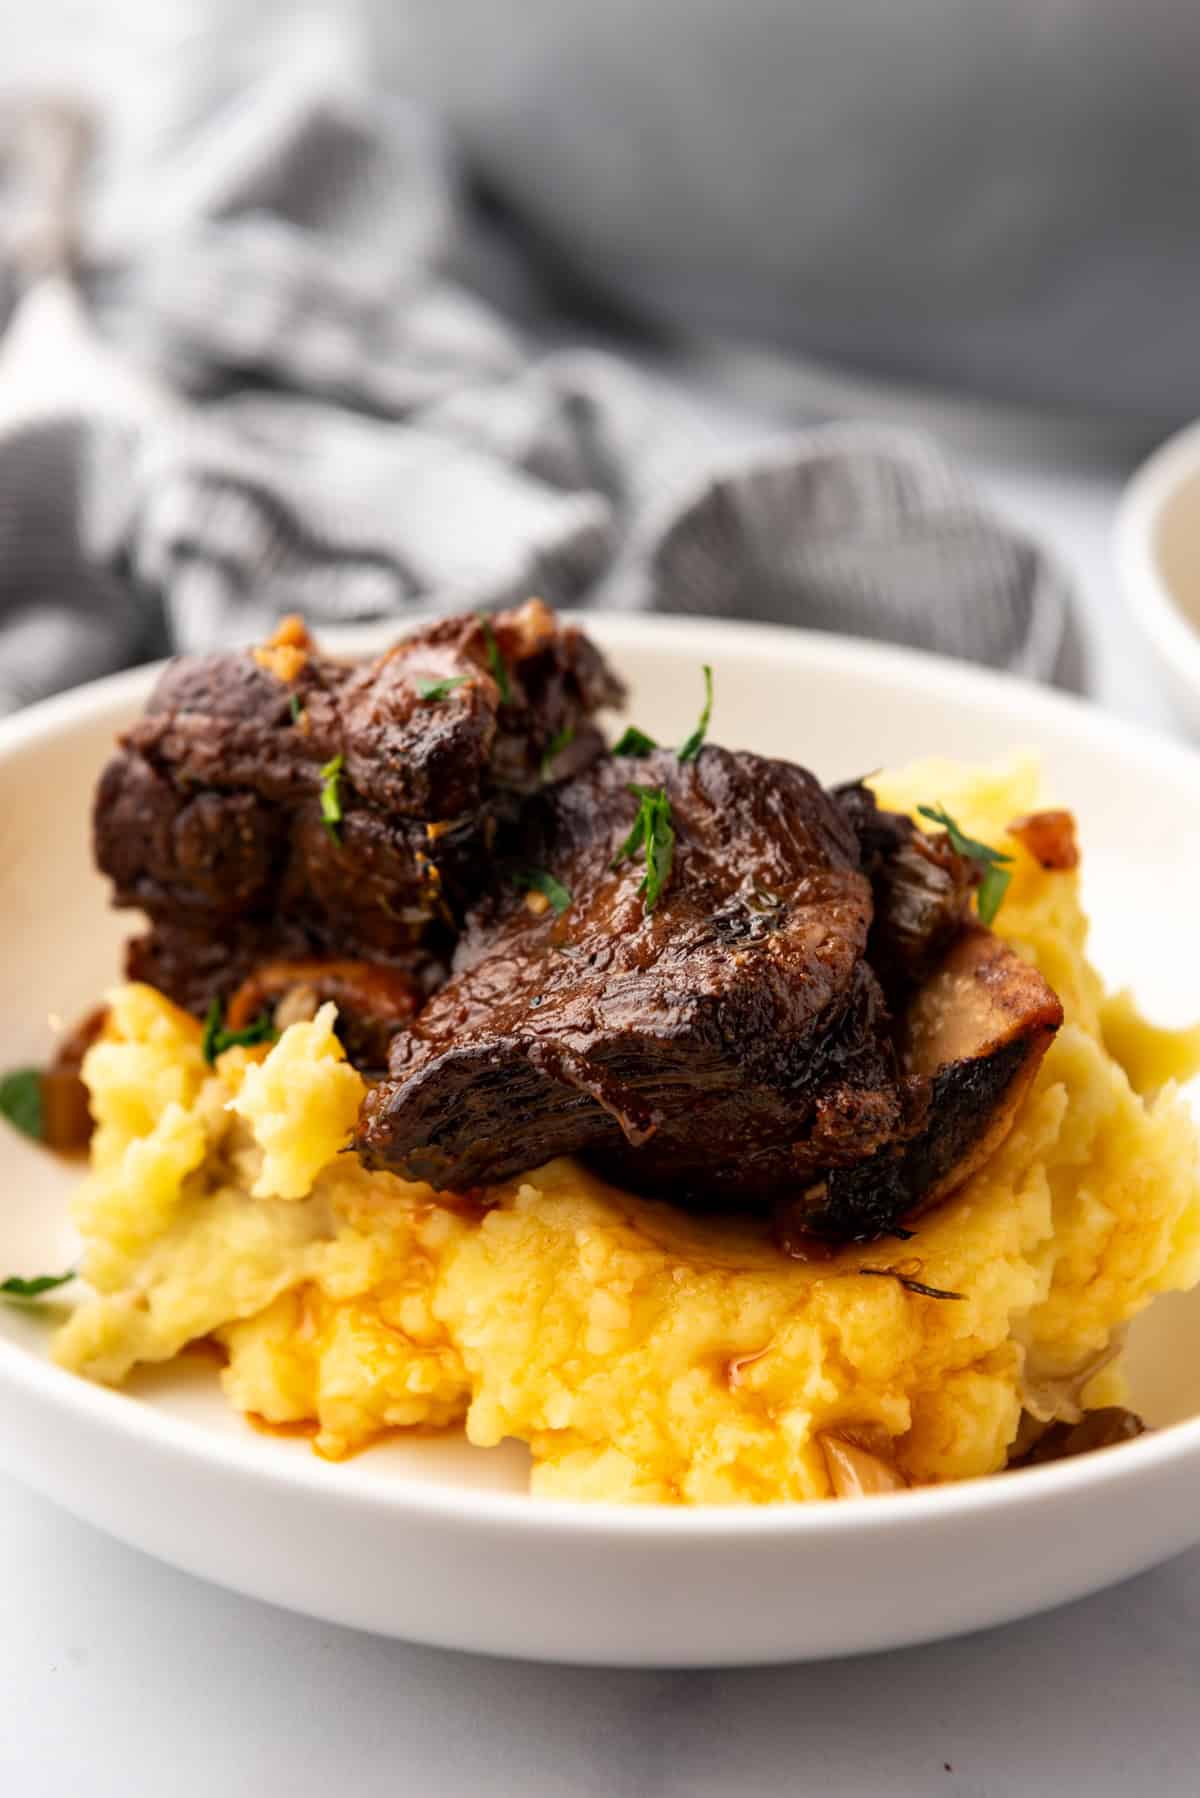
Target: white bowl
x,y
1158,563
437,1541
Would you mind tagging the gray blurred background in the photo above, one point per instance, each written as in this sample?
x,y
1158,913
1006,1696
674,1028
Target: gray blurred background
x,y
995,200
362,308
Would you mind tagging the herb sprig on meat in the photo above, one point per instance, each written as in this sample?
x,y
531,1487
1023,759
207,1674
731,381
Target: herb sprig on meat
x,y
434,691
654,835
996,876
495,660
331,795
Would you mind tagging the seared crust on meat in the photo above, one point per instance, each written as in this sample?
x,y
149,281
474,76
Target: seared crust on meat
x,y
724,1045
973,1037
209,818
731,1048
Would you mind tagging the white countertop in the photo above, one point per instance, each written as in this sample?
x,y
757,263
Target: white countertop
x,y
120,1677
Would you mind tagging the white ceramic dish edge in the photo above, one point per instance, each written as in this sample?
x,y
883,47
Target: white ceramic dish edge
x,y
653,1587
1173,642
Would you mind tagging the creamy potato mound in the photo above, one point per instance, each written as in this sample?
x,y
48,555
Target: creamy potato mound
x,y
641,1354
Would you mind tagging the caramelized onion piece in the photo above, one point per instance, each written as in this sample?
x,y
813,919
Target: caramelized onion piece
x,y
299,1005
969,1042
374,1000
1050,839
790,1232
860,1461
1104,1428
1059,1398
66,1117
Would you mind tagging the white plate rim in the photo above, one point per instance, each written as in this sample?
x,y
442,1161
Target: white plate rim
x,y
1136,526
522,1512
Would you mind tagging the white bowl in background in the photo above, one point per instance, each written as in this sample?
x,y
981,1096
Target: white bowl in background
x,y
439,1542
1158,563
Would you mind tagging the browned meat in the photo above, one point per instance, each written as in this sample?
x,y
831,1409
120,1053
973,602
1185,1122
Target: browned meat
x,y
183,853
738,1011
729,1047
441,760
514,685
921,890
212,818
972,1038
716,981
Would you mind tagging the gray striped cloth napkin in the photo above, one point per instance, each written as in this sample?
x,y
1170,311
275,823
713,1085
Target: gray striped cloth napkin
x,y
366,432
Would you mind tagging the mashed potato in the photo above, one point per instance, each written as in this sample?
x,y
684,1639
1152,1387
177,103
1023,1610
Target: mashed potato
x,y
643,1355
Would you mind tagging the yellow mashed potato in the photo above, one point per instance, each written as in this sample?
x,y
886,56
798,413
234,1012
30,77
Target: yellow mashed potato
x,y
642,1355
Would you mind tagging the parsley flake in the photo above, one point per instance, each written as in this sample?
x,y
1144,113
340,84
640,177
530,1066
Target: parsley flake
x,y
691,749
654,834
331,798
495,659
217,1039
562,739
996,877
295,708
21,1101
435,690
17,1288
538,880
634,742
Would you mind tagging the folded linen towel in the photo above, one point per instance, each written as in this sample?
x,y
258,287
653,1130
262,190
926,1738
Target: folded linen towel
x,y
363,434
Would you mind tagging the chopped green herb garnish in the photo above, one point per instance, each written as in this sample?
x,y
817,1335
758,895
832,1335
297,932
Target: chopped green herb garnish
x,y
562,739
21,1101
654,834
537,880
996,877
634,742
990,894
331,798
441,689
17,1288
495,659
217,1039
295,708
691,748
959,841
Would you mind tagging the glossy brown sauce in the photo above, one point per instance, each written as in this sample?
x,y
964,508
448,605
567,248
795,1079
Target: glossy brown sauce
x,y
794,1240
303,1427
306,1429
472,1207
